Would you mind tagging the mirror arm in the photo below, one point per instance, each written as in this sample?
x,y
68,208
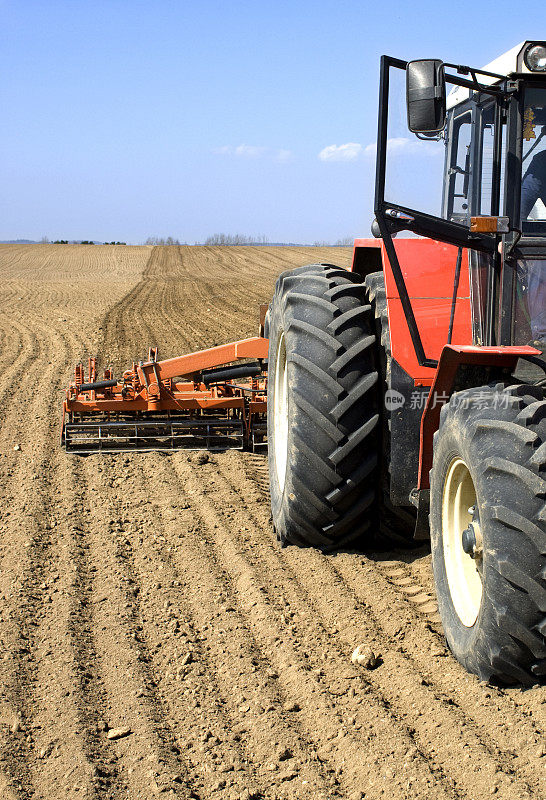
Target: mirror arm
x,y
462,70
479,87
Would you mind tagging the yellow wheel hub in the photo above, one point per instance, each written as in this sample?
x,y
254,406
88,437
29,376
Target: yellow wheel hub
x,y
462,542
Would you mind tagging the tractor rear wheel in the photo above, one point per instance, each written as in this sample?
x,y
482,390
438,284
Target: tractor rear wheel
x,y
488,530
323,409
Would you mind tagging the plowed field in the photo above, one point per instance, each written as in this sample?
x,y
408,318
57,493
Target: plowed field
x,y
147,592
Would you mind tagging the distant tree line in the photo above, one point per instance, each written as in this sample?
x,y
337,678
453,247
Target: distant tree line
x,y
238,239
155,240
216,239
234,239
347,241
82,241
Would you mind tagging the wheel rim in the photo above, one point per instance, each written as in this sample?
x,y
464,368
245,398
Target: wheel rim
x,y
463,571
280,413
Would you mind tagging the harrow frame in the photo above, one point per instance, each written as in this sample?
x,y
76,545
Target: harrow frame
x,y
187,402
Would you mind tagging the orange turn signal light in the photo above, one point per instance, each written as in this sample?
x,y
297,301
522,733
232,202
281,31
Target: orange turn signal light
x,y
489,224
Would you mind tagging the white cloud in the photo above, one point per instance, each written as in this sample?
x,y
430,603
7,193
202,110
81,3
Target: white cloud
x,y
251,151
400,144
241,151
341,152
284,155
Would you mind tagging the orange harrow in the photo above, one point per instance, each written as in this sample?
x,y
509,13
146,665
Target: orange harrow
x,y
188,402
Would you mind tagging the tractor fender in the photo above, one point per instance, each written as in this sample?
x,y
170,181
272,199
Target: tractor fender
x,y
367,257
462,367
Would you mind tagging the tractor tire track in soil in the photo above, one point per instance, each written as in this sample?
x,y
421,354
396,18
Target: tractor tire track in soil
x,y
147,593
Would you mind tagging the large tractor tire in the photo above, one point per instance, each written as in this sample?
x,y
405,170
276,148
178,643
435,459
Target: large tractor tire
x,y
488,530
323,409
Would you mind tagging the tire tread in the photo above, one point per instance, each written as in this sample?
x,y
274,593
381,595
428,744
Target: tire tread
x,y
331,501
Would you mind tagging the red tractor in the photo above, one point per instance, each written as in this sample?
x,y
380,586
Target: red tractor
x,y
408,392
452,315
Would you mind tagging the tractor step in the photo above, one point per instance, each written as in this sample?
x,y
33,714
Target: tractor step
x,y
147,435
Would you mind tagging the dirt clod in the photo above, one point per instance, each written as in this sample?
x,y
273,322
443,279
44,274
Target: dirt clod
x,y
118,733
17,725
365,657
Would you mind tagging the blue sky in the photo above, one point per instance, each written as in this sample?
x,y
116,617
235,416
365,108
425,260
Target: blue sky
x,y
127,119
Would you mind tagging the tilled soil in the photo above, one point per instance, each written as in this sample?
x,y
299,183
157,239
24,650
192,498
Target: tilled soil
x,y
154,639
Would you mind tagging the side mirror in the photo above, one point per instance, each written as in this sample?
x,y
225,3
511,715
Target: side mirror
x,y
426,96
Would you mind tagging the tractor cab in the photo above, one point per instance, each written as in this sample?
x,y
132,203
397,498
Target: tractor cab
x,y
491,125
495,166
